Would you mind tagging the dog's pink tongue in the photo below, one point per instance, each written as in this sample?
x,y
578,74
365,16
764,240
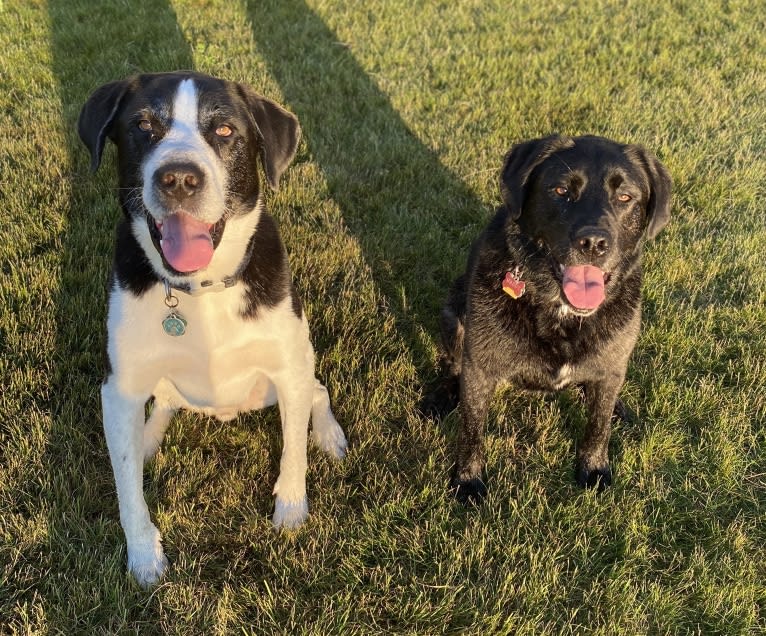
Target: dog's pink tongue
x,y
186,242
584,286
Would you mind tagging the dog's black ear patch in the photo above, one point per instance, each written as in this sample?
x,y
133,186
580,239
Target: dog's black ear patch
x,y
98,115
660,188
518,165
279,131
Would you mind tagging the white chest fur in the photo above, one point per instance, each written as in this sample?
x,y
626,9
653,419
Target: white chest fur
x,y
222,364
563,377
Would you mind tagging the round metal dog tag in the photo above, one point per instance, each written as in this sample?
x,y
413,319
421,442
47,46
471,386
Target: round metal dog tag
x,y
174,325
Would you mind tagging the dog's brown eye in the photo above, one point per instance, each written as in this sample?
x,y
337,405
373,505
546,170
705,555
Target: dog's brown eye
x,y
561,191
624,198
223,131
145,125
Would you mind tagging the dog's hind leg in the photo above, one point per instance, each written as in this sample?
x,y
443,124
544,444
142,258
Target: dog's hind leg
x,y
155,427
452,325
326,433
442,397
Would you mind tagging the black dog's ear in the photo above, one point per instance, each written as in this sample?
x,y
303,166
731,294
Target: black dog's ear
x,y
519,163
660,187
279,131
97,116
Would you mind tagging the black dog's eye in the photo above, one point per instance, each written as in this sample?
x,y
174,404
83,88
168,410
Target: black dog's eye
x,y
224,131
561,191
145,125
624,198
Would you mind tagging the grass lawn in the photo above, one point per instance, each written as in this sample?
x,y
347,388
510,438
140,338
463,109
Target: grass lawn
x,y
407,109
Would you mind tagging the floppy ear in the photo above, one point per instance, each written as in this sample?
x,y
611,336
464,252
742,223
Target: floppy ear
x,y
518,165
660,186
279,133
97,116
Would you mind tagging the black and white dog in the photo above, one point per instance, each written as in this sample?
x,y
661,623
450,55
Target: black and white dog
x,y
202,313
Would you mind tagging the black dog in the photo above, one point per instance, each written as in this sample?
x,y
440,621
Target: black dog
x,y
551,296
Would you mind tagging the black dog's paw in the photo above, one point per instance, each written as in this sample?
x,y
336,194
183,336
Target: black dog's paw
x,y
469,491
441,398
598,478
623,413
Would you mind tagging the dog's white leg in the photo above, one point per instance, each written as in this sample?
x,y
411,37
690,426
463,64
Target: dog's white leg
x,y
123,427
291,505
326,433
154,429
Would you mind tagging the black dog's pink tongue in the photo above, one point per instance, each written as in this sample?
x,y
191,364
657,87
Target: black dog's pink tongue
x,y
584,286
186,242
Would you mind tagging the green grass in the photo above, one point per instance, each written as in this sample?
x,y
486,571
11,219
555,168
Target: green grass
x,y
407,109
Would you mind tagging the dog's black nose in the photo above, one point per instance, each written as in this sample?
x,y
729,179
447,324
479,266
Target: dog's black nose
x,y
592,241
179,180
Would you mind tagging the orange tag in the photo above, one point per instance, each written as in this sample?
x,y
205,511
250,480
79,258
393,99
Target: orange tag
x,y
513,286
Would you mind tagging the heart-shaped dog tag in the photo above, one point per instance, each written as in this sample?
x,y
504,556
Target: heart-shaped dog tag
x,y
513,286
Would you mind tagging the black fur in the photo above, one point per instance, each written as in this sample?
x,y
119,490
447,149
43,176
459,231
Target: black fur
x,y
131,269
564,205
267,273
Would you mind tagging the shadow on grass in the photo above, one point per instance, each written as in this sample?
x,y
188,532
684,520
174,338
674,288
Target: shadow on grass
x,y
401,204
91,43
404,208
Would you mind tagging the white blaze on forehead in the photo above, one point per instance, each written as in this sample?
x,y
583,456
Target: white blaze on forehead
x,y
185,108
184,142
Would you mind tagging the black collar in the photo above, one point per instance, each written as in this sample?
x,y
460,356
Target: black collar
x,y
205,286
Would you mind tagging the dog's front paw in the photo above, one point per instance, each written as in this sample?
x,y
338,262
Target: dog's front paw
x,y
589,477
469,491
147,561
330,438
289,515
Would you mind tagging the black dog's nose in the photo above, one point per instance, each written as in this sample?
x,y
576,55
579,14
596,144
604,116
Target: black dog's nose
x,y
179,180
592,241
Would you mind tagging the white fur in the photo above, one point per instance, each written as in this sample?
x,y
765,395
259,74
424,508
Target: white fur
x,y
222,366
563,377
